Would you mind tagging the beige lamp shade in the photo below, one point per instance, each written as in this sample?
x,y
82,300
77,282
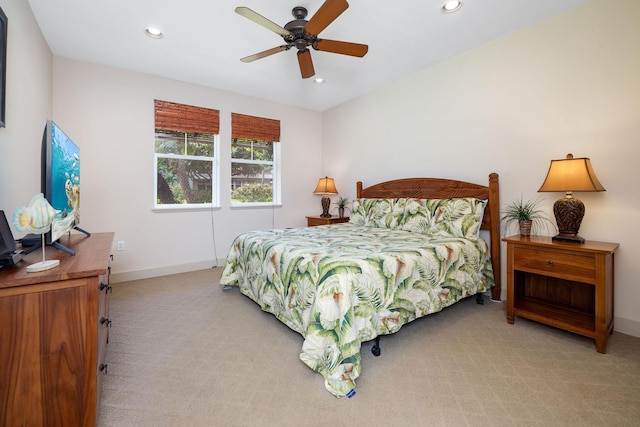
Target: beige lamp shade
x,y
325,186
571,175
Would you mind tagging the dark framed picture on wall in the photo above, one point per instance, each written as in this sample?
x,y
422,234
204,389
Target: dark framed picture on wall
x,y
3,65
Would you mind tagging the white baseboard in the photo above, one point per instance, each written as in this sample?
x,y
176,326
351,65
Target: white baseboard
x,y
125,276
626,326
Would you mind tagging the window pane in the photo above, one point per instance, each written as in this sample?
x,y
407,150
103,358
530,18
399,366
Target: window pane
x,y
200,144
197,144
251,149
263,150
184,181
169,144
251,183
241,148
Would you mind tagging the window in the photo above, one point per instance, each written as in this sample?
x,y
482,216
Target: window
x,y
185,164
252,171
254,160
186,156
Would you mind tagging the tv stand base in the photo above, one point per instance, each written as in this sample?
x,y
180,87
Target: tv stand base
x,y
57,244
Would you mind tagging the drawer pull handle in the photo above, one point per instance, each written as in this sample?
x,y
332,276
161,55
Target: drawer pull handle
x,y
103,368
550,263
105,321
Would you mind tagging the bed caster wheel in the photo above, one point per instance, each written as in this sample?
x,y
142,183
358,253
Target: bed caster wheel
x,y
376,347
375,350
479,299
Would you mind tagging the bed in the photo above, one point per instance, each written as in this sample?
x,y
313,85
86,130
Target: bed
x,y
411,248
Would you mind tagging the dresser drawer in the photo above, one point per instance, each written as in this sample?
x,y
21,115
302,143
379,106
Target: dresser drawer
x,y
572,266
103,297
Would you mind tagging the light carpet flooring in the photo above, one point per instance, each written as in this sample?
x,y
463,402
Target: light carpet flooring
x,y
183,352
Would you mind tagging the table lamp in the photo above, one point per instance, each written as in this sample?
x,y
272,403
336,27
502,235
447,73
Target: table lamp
x,y
325,187
570,175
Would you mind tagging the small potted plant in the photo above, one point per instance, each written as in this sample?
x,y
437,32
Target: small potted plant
x,y
342,203
527,215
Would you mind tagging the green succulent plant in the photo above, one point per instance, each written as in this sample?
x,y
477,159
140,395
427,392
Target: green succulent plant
x,y
342,202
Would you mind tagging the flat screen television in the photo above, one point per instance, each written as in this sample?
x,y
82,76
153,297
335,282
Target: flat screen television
x,y
60,184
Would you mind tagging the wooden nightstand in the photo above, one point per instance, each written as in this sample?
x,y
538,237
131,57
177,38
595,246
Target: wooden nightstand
x,y
312,221
566,285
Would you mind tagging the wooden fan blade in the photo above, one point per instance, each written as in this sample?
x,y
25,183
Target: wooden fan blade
x,y
261,20
343,48
306,64
327,13
264,53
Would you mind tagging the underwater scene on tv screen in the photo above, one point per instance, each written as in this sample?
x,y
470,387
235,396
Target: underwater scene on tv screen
x,y
65,183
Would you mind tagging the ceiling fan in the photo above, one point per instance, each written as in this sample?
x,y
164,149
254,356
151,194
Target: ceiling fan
x,y
304,34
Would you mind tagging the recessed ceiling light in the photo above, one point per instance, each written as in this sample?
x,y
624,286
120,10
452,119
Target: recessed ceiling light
x,y
451,6
154,33
319,80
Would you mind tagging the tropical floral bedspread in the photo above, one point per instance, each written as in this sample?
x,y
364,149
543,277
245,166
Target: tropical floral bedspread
x,y
341,285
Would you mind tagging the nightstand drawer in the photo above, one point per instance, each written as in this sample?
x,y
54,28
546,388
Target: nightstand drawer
x,y
313,221
571,266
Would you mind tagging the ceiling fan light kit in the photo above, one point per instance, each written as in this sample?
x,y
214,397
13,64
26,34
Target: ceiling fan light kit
x,y
303,34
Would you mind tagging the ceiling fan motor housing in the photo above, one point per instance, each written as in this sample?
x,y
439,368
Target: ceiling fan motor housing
x,y
300,39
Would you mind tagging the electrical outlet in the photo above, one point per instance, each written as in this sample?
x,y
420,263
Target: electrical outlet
x,y
121,245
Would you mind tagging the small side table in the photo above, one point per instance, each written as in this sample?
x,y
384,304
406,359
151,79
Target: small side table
x,y
562,284
313,221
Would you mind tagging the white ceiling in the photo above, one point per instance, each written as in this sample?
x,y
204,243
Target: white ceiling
x,y
205,39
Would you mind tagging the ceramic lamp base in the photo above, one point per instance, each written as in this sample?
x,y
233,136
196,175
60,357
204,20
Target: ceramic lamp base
x,y
326,202
43,265
568,238
569,212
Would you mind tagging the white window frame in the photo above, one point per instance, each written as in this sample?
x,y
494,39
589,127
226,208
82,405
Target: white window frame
x,y
276,190
215,177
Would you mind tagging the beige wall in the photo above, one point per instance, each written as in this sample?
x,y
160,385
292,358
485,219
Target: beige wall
x,y
109,113
28,105
567,85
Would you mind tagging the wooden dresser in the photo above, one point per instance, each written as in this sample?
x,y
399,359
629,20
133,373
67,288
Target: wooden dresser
x,y
566,285
53,333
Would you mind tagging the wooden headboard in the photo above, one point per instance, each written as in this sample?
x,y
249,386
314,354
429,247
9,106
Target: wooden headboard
x,y
438,188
